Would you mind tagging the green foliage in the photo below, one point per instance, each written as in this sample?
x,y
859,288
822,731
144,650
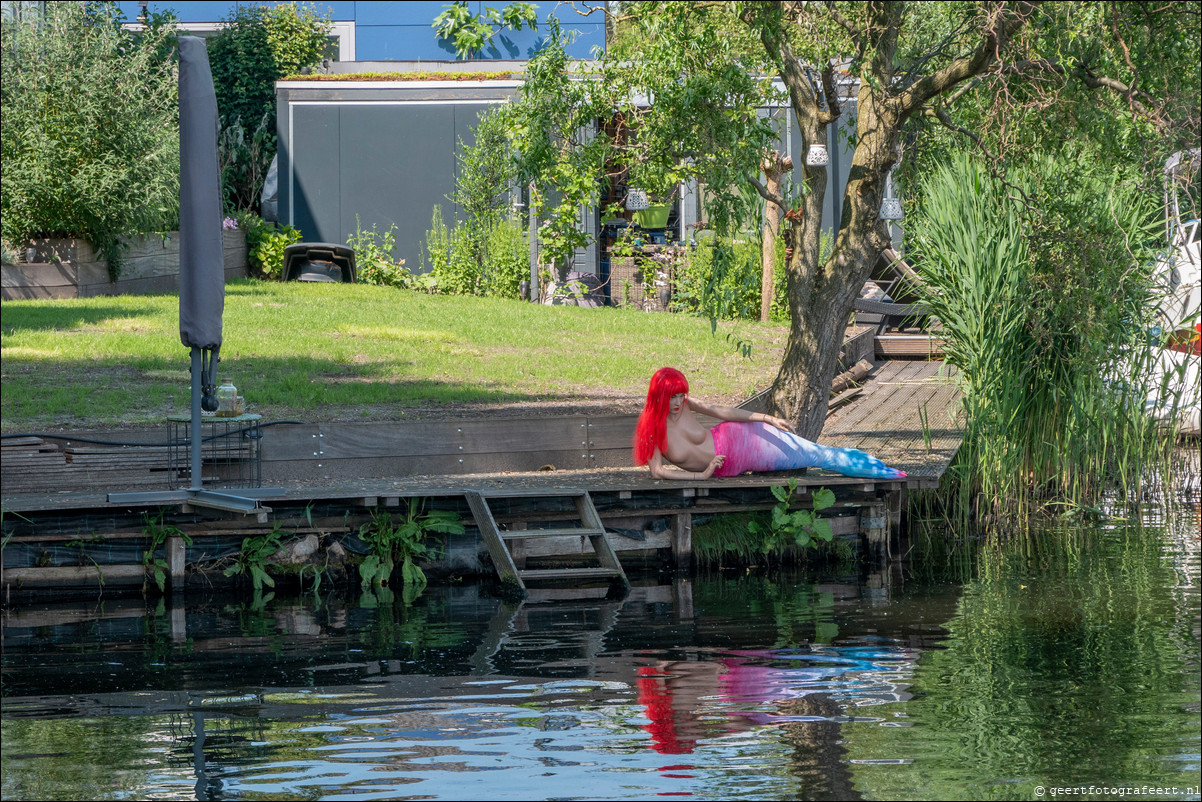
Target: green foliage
x,y
485,254
373,259
508,260
703,125
1041,281
476,259
90,141
486,173
404,542
469,33
550,130
266,243
720,279
721,276
157,532
244,160
789,526
259,45
252,560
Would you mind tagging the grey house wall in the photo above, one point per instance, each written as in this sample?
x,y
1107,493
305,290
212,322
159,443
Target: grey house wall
x,y
354,153
386,153
792,143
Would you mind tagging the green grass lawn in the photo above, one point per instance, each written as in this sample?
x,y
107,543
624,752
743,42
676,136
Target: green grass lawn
x,y
323,352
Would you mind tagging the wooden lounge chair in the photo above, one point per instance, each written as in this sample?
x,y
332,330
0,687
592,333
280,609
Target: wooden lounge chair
x,y
901,327
899,281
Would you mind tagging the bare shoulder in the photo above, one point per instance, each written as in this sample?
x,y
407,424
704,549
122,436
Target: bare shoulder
x,y
702,408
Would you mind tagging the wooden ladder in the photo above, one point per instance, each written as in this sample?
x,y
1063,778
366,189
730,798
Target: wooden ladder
x,y
498,541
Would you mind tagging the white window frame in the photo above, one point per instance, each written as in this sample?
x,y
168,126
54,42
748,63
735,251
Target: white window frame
x,y
342,30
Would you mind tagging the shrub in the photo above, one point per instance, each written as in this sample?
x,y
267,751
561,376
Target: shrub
x,y
374,263
244,160
467,260
266,243
486,253
720,279
90,140
1040,280
507,260
259,45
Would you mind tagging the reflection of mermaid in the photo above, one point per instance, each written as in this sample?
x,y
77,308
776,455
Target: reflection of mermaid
x,y
667,431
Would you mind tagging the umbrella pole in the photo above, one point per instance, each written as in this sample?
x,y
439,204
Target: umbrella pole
x,y
197,440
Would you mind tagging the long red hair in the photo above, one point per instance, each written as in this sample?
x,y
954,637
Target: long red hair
x,y
651,431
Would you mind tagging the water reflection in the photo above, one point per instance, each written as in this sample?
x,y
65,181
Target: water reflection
x,y
1070,657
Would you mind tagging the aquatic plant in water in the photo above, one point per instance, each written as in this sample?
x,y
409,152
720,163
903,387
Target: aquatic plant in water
x,y
404,542
1041,282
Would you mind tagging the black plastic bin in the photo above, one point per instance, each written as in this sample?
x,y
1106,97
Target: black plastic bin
x,y
319,261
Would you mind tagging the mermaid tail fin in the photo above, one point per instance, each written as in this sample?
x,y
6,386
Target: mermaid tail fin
x,y
853,462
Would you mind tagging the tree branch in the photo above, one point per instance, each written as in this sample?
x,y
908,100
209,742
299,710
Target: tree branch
x,y
771,197
940,113
856,35
987,51
1087,77
832,93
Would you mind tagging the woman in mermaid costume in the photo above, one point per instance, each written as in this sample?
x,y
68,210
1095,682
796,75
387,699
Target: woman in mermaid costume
x,y
668,432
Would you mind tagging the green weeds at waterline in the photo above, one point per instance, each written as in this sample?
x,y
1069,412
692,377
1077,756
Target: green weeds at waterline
x,y
1042,283
354,352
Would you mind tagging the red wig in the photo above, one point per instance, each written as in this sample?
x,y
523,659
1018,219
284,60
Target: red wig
x,y
651,431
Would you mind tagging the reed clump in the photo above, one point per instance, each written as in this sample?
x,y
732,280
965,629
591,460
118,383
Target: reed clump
x,y
1042,281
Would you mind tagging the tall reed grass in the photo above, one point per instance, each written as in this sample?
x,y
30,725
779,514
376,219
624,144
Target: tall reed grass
x,y
1042,281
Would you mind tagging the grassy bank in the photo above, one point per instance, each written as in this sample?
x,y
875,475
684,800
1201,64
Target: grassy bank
x,y
357,352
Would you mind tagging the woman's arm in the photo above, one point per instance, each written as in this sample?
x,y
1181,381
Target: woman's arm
x,y
661,471
736,414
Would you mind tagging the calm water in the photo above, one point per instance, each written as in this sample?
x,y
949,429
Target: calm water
x,y
1066,658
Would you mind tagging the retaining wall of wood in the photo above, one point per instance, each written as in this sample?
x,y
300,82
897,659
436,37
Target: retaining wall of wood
x,y
70,268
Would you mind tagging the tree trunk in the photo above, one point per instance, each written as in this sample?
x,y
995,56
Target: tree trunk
x,y
774,166
821,295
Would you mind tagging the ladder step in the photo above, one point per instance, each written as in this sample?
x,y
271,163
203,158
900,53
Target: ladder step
x,y
525,534
570,573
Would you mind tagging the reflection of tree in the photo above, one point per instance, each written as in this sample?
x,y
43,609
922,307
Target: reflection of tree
x,y
1072,659
819,758
799,612
43,758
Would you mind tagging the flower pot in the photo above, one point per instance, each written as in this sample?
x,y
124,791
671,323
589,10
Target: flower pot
x,y
654,216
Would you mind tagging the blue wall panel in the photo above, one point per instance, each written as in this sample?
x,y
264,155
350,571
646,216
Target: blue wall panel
x,y
400,43
413,12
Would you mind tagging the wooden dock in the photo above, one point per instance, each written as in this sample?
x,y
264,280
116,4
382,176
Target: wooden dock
x,y
908,415
905,414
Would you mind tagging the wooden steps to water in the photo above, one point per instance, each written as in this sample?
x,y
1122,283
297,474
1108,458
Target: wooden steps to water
x,y
499,541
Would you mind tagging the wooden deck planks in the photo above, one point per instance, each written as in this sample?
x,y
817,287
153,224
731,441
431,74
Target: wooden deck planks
x,y
909,402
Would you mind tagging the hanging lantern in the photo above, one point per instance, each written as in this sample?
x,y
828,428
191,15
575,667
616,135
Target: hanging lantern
x,y
816,156
891,208
636,200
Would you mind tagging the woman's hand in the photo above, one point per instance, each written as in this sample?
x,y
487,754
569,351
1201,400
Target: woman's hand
x,y
779,423
714,465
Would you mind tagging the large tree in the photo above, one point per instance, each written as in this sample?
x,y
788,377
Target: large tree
x,y
688,79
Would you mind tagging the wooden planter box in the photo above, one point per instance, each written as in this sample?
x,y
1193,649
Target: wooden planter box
x,y
69,268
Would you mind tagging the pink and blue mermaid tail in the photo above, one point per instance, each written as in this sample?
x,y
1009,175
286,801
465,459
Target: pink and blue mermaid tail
x,y
760,447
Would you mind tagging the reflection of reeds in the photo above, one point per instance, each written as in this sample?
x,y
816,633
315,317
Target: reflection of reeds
x,y
1043,296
